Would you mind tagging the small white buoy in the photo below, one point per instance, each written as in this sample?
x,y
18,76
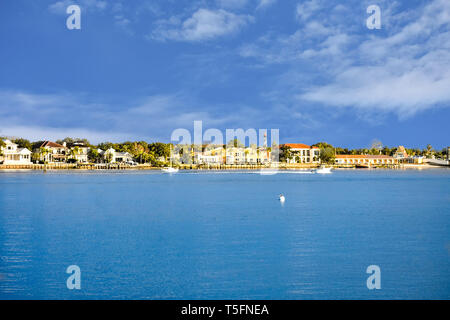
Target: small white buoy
x,y
282,198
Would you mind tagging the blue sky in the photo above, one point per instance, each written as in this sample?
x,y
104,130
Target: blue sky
x,y
140,69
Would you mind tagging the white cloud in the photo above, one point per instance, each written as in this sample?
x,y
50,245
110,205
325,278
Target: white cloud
x,y
405,72
204,24
55,116
307,8
404,69
60,7
265,4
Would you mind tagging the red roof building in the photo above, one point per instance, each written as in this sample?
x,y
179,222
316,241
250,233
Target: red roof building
x,y
302,153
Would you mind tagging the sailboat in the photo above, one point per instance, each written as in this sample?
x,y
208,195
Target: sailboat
x,y
170,169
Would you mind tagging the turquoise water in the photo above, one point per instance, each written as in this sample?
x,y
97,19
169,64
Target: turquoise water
x,y
208,235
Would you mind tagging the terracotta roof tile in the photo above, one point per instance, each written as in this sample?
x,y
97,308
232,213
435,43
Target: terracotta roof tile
x,y
51,145
297,145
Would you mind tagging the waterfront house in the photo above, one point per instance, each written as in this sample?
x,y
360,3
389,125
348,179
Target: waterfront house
x,y
114,156
400,153
210,155
52,152
79,151
234,155
302,153
365,160
12,154
255,155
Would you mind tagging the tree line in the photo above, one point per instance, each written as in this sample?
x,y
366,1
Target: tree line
x,y
328,151
158,152
155,153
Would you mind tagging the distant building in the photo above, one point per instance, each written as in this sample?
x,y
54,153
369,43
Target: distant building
x,y
235,155
400,153
79,151
302,153
414,160
365,160
12,154
211,155
112,155
231,155
52,152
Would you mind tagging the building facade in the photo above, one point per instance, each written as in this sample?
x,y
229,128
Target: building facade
x,y
302,153
79,151
12,154
52,152
114,156
400,153
365,160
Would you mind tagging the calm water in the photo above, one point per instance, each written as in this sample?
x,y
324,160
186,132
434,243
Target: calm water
x,y
197,235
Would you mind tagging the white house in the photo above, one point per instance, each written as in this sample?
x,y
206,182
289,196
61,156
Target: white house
x,y
112,155
79,151
12,154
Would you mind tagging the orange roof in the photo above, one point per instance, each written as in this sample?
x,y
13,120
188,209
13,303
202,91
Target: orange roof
x,y
351,156
297,145
51,145
362,156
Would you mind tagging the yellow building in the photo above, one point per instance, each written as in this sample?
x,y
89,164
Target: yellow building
x,y
365,160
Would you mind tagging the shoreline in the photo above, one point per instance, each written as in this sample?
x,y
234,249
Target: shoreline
x,y
225,168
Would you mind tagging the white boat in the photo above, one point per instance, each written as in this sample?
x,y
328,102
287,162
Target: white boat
x,y
268,172
170,170
282,198
323,170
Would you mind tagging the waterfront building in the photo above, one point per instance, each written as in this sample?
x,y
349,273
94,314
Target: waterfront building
x,y
79,151
12,154
303,153
235,155
365,160
231,155
400,153
52,152
114,156
210,155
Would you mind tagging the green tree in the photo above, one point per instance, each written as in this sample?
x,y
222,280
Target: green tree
x,y
285,153
235,143
2,145
23,143
327,155
160,149
74,152
322,145
94,155
43,152
108,157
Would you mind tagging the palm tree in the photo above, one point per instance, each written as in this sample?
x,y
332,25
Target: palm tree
x,y
74,152
2,145
43,152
